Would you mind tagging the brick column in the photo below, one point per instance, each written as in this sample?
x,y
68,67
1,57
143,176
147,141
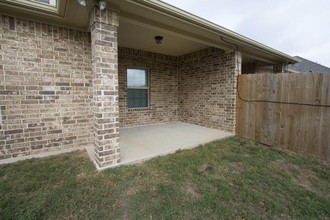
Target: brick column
x,y
238,62
103,25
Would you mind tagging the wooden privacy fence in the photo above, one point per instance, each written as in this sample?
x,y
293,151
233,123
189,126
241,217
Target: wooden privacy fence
x,y
290,111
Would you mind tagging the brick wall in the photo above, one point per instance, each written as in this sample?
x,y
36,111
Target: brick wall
x,y
45,89
198,88
207,88
163,87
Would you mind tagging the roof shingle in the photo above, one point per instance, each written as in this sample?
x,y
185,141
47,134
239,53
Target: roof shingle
x,y
307,66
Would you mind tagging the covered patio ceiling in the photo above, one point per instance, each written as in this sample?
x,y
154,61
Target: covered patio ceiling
x,y
142,20
133,34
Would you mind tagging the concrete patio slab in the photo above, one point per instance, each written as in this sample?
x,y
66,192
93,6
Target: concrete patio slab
x,y
138,144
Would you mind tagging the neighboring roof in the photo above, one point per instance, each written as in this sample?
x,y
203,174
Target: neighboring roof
x,y
145,18
307,66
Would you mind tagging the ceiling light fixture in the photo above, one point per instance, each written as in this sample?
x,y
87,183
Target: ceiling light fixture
x,y
158,39
101,4
82,2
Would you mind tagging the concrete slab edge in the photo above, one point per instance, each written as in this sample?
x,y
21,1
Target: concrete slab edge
x,y
152,124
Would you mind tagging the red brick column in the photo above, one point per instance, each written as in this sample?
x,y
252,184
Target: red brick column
x,y
104,26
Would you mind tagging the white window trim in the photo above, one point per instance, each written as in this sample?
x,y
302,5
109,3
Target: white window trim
x,y
58,9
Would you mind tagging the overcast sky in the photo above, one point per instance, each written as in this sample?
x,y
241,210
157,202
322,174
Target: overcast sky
x,y
296,27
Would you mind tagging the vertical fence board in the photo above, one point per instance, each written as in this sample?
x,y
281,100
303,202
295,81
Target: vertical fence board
x,y
318,83
259,107
308,113
326,117
269,127
277,118
284,110
251,107
299,112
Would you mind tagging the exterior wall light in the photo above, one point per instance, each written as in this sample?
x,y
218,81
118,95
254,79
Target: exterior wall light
x,y
82,2
158,39
102,4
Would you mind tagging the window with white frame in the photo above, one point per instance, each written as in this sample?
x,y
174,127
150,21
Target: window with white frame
x,y
137,88
46,2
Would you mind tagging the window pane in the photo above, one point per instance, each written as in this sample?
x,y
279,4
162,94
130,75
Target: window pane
x,y
131,93
131,103
137,103
48,2
144,102
137,98
137,78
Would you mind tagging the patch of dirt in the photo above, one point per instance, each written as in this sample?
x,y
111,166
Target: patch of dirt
x,y
205,168
239,166
262,208
232,168
81,175
132,190
124,198
4,177
301,177
81,154
307,180
140,180
126,215
285,166
192,191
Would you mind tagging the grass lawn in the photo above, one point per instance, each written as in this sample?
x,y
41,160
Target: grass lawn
x,y
229,179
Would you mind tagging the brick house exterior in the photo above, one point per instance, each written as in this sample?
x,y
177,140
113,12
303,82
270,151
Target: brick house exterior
x,y
62,88
46,87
